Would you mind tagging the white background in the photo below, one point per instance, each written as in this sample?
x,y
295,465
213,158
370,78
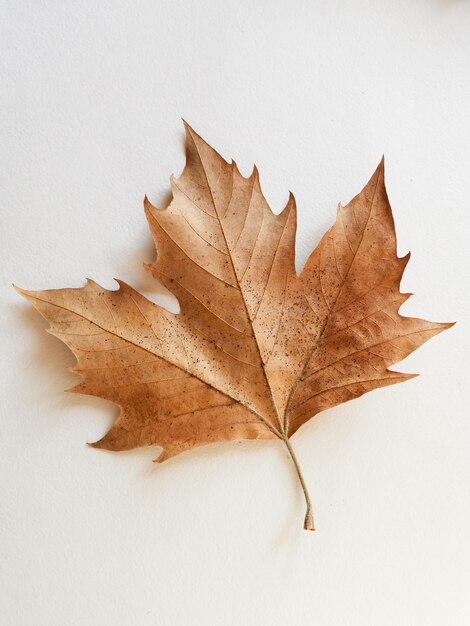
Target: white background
x,y
314,92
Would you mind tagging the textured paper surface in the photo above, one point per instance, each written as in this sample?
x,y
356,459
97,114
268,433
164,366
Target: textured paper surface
x,y
314,93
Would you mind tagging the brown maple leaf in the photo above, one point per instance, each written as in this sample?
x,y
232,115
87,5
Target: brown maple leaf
x,y
256,350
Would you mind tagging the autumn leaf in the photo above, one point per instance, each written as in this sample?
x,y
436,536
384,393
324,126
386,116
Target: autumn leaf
x,y
256,349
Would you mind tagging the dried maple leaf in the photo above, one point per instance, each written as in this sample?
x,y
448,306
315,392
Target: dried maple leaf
x,y
256,350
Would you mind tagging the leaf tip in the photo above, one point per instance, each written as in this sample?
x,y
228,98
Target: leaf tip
x,y
163,456
29,295
291,202
74,389
442,326
235,168
148,206
105,443
379,170
188,128
121,283
22,292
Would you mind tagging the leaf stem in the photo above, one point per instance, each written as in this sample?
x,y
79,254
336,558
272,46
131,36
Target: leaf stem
x,y
308,523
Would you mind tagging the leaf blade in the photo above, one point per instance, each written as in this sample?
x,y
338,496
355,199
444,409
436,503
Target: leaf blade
x,y
358,262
